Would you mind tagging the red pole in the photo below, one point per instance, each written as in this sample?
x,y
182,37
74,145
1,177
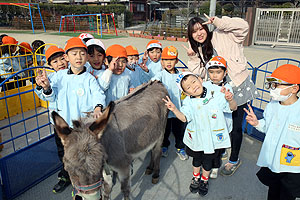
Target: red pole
x,y
63,23
112,15
67,24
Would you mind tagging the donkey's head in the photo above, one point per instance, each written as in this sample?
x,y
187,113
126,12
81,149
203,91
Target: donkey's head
x,y
84,156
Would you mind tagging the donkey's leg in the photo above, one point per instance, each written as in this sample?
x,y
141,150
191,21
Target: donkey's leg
x,y
107,185
124,176
155,161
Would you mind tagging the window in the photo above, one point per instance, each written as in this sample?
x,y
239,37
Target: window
x,y
140,7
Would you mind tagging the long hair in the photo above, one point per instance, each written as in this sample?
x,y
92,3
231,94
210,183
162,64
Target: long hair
x,y
207,48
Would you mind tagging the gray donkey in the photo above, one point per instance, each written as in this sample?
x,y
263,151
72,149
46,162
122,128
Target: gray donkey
x,y
128,127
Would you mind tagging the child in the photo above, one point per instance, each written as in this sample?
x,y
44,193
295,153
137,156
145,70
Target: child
x,y
217,71
96,56
9,64
74,90
206,132
154,50
136,71
117,77
56,60
279,157
86,37
168,77
38,47
25,53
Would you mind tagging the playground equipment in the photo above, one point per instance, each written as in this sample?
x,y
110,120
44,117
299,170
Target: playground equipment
x,y
28,6
96,23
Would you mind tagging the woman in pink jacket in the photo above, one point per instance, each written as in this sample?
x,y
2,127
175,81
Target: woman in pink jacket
x,y
226,41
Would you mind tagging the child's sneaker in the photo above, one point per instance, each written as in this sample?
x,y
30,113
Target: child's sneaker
x,y
214,173
164,152
203,188
230,168
182,154
195,184
61,185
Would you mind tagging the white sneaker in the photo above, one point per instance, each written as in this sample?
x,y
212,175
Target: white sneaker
x,y
214,173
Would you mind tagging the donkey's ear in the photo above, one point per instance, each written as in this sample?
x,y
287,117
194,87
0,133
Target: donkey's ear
x,y
99,125
61,126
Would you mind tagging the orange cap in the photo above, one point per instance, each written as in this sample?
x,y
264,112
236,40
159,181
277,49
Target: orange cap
x,y
52,50
169,52
27,48
216,61
131,51
285,74
154,44
9,40
116,50
73,43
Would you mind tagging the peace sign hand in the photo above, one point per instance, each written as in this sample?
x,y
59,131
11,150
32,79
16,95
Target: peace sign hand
x,y
210,19
189,50
113,64
42,79
170,105
251,117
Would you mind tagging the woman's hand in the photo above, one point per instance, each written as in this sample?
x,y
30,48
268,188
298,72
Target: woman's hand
x,y
189,51
210,19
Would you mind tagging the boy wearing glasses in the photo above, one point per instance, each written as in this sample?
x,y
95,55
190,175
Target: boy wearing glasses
x,y
279,157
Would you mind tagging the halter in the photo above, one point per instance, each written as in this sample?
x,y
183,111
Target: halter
x,y
85,188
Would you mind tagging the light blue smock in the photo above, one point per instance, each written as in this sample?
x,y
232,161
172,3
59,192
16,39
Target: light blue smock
x,y
154,68
280,151
169,81
97,73
138,76
119,86
75,94
8,65
206,129
228,116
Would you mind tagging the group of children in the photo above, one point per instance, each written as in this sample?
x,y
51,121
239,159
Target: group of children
x,y
15,57
88,76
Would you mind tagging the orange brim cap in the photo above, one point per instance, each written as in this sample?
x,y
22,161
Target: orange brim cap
x,y
52,50
25,47
169,52
9,40
216,61
131,51
74,42
116,51
286,74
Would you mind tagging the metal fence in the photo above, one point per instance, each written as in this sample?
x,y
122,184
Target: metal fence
x,y
277,26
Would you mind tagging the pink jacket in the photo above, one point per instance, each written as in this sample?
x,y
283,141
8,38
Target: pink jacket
x,y
227,40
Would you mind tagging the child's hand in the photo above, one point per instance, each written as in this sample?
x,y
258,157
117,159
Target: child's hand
x,y
251,117
144,67
189,51
145,57
113,64
228,94
170,105
42,79
210,19
130,90
97,112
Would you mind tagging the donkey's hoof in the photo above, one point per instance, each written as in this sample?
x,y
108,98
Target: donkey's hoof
x,y
148,171
155,180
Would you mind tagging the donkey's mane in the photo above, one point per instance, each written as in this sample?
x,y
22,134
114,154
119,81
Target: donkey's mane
x,y
136,92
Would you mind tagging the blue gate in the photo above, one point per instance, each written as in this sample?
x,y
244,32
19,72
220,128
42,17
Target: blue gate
x,y
29,152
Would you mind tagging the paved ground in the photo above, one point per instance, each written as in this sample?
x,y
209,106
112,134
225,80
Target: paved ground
x,y
176,174
175,179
